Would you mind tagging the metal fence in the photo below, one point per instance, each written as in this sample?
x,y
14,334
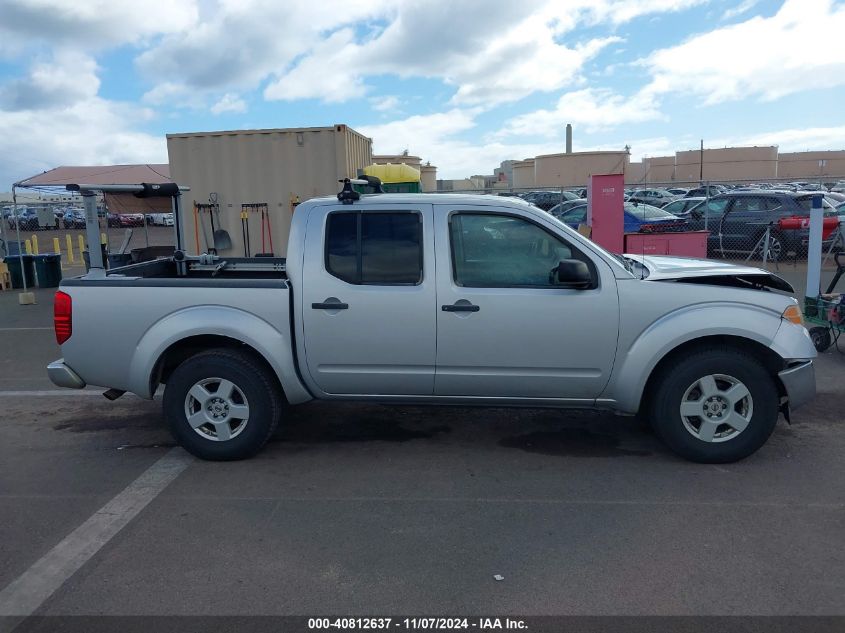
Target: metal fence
x,y
761,222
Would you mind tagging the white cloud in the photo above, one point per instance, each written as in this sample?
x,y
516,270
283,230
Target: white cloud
x,y
438,138
593,109
798,49
229,102
793,139
91,132
385,103
490,51
239,43
89,24
63,80
54,116
740,9
311,79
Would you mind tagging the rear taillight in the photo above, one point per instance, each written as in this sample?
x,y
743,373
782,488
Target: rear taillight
x,y
62,317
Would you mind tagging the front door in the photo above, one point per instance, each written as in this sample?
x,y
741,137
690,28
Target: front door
x,y
505,329
368,303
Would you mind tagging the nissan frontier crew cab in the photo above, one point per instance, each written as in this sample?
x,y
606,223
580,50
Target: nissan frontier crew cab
x,y
446,299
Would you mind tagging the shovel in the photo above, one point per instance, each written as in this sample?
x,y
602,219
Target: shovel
x,y
222,240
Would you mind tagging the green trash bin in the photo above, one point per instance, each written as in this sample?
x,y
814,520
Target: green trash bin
x,y
15,271
48,269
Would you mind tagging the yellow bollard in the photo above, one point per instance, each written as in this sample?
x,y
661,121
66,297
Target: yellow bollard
x,y
28,245
69,241
56,246
34,244
81,244
103,238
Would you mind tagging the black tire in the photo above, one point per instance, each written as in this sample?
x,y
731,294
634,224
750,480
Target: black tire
x,y
671,383
821,337
258,386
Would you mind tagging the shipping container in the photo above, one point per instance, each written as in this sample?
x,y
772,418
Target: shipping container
x,y
276,167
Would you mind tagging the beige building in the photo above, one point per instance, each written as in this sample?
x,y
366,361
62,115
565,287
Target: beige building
x,y
575,169
523,174
272,166
727,163
428,178
811,165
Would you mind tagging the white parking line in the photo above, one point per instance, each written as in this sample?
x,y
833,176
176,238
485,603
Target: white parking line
x,y
29,591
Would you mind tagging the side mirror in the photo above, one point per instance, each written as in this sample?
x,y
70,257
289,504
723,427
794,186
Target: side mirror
x,y
695,215
574,273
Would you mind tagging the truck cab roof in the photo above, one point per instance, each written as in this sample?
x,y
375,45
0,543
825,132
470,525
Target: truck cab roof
x,y
429,198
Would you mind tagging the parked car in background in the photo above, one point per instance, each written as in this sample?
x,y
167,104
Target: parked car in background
x,y
839,187
160,219
705,191
737,221
654,197
637,218
545,200
683,206
678,191
125,219
26,217
559,209
74,220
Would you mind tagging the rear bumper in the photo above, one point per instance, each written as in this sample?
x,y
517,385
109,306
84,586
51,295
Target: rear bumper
x,y
63,376
800,383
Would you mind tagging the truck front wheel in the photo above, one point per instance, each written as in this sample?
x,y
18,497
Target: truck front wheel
x,y
222,404
714,406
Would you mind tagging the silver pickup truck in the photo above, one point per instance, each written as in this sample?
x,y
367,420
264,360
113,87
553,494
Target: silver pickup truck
x,y
447,299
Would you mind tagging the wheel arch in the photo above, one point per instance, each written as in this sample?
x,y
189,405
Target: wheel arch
x,y
187,332
765,355
185,348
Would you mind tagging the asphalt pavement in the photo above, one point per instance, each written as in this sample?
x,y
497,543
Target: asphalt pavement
x,y
361,509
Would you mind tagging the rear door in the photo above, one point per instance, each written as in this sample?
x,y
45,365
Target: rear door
x,y
505,329
743,224
368,305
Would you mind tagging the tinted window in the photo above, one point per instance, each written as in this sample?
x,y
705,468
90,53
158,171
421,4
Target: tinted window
x,y
374,248
678,206
714,207
502,251
646,211
576,215
749,204
342,246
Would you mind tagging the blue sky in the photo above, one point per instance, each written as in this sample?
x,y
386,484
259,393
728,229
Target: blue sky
x,y
463,84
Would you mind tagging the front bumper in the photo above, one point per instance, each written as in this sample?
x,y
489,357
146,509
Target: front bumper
x,y
63,376
799,381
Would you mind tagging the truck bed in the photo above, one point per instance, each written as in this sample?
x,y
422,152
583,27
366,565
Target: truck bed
x,y
124,321
163,272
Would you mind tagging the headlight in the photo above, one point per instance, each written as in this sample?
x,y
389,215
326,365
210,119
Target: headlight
x,y
793,314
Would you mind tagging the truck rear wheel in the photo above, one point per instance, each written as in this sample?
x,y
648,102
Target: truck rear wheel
x,y
715,406
222,404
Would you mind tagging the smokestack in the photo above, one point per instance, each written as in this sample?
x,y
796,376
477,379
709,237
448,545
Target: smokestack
x,y
568,138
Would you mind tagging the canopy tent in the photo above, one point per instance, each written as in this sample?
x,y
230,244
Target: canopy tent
x,y
106,176
59,177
